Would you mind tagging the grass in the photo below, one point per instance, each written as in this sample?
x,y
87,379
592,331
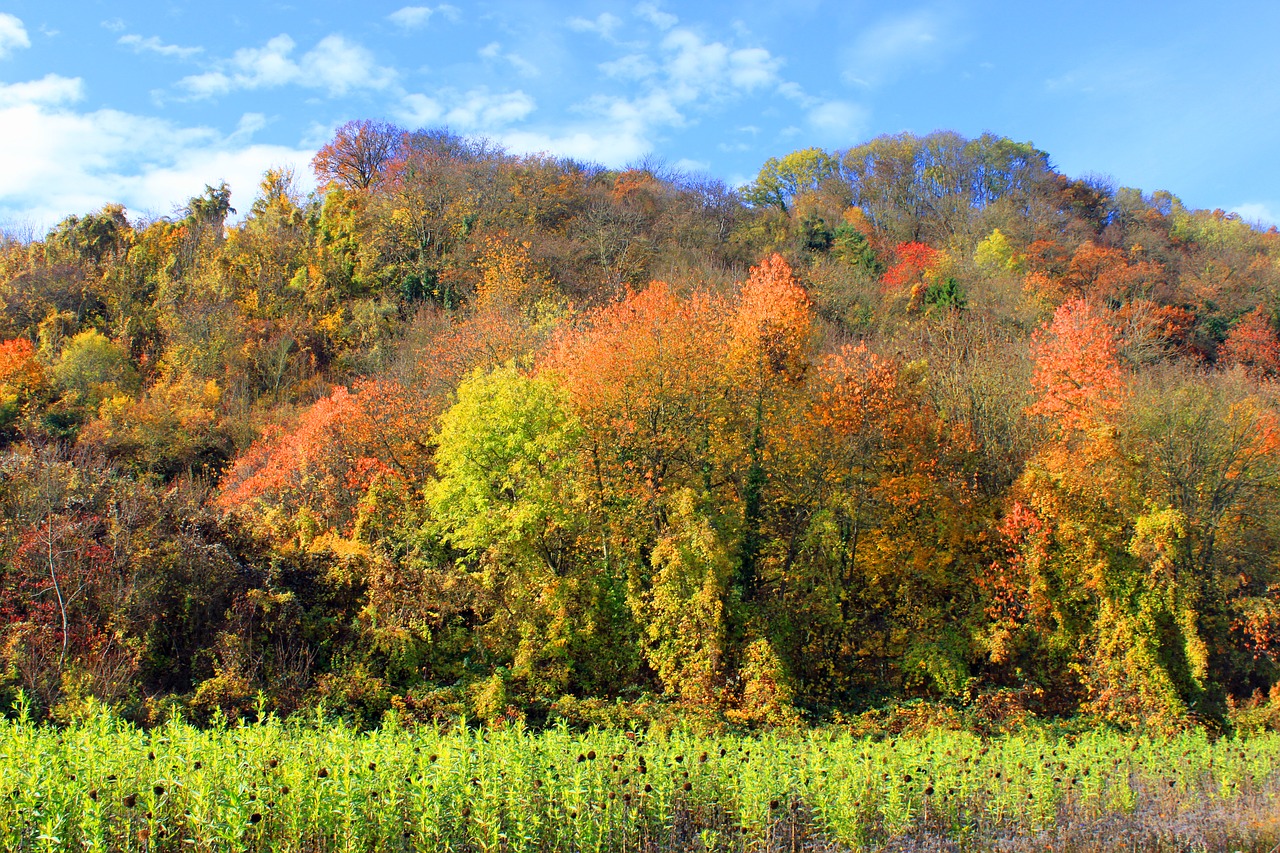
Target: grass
x,y
104,785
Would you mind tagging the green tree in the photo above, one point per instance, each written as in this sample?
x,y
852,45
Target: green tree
x,y
782,179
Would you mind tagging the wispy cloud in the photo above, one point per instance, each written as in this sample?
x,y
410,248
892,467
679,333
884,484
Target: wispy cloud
x,y
665,84
334,64
13,35
476,110
493,52
604,25
1124,77
153,45
52,89
634,66
897,43
78,161
417,17
480,109
652,14
1259,213
839,121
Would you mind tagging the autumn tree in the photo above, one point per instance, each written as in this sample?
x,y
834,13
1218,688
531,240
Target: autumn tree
x,y
22,382
781,179
1253,345
1078,379
358,155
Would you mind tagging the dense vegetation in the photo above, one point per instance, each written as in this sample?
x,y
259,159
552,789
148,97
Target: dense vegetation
x,y
102,786
525,438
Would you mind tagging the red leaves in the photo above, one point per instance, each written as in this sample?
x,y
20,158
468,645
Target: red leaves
x,y
912,261
337,449
1077,370
1253,345
21,374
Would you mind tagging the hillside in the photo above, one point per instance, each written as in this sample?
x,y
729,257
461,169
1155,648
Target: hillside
x,y
517,437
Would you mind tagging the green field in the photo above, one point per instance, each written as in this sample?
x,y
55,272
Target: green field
x,y
106,785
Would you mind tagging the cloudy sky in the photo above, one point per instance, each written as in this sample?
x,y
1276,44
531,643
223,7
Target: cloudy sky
x,y
145,103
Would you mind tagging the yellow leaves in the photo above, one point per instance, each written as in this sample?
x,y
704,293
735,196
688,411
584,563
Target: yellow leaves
x,y
995,253
1157,537
510,280
331,324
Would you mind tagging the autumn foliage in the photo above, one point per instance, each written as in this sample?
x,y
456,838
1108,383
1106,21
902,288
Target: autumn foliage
x,y
471,432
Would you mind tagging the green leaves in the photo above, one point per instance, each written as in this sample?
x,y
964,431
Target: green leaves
x,y
506,460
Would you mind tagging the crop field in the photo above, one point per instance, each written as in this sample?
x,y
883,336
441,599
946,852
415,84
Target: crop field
x,y
104,785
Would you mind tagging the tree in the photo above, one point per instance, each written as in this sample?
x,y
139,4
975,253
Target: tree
x,y
22,383
1077,375
1253,345
94,367
782,179
359,154
508,499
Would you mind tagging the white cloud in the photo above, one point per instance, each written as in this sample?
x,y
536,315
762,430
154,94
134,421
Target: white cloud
x,y
477,110
604,25
1261,213
249,124
418,110
480,110
654,109
793,91
896,43
660,19
691,167
416,17
493,51
632,67
207,85
699,68
268,65
340,66
154,45
681,76
841,120
334,64
49,90
115,25
612,147
74,162
752,67
13,35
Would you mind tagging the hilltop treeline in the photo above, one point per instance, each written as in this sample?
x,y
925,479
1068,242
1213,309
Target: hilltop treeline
x,y
469,432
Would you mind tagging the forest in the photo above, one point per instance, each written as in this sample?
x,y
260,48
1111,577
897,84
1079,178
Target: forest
x,y
923,422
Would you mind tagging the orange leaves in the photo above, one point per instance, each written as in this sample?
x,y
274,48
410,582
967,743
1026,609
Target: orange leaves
x,y
1077,373
858,388
639,374
911,262
316,473
18,365
1090,272
770,327
358,154
1253,345
21,374
22,379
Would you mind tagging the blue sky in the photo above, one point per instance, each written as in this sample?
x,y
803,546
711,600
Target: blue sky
x,y
145,103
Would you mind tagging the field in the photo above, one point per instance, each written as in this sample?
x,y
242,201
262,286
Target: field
x,y
104,785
